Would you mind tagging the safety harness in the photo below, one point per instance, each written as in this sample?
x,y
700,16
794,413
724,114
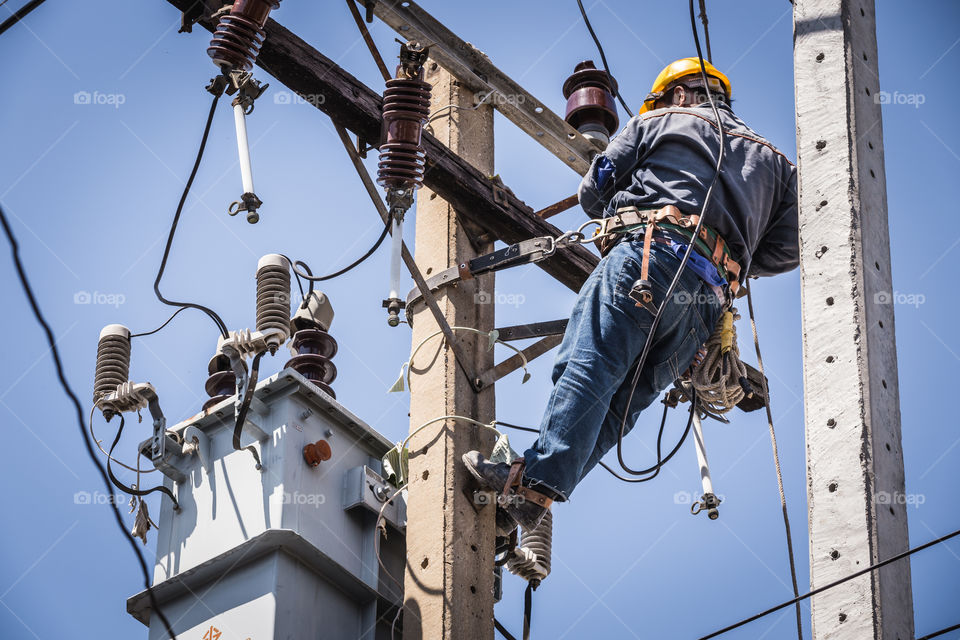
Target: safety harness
x,y
514,486
709,243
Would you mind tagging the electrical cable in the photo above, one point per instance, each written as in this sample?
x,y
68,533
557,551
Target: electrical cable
x,y
776,461
937,634
245,408
62,378
130,490
20,14
173,229
150,333
686,256
654,470
835,583
603,56
706,29
312,278
503,631
93,436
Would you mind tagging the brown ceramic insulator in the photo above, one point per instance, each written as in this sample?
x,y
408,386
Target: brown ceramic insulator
x,y
590,102
239,34
314,349
406,107
317,452
222,382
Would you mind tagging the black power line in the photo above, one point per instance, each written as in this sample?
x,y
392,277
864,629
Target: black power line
x,y
62,378
835,583
20,14
173,230
603,57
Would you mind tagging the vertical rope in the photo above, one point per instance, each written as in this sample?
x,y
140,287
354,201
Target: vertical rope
x,y
776,462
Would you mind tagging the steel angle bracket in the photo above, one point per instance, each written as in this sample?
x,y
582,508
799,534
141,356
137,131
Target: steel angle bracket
x,y
516,361
475,70
525,252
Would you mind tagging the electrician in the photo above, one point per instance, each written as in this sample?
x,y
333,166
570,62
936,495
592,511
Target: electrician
x,y
648,186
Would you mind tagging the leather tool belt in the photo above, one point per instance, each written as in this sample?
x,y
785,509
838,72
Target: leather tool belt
x,y
708,243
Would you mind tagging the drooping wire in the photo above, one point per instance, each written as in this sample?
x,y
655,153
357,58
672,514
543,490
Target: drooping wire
x,y
835,583
661,461
603,56
62,378
776,461
130,490
93,436
308,275
166,322
173,229
686,256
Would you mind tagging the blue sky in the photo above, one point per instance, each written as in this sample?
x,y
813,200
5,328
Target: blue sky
x,y
91,189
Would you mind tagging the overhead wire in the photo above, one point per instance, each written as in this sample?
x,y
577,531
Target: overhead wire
x,y
312,278
221,325
776,461
130,490
603,56
62,379
833,584
166,322
19,14
641,361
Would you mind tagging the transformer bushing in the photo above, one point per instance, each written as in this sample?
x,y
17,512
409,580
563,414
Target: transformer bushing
x,y
591,108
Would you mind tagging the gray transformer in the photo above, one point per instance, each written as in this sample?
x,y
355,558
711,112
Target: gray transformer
x,y
288,551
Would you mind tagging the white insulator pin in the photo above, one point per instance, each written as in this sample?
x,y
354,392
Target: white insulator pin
x,y
396,247
243,146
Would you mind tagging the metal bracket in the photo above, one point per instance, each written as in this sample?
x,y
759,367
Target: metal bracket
x,y
532,330
515,361
196,441
472,68
526,252
364,487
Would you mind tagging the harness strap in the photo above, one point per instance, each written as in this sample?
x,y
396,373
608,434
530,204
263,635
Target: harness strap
x,y
514,484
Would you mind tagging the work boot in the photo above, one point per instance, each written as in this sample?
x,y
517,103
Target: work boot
x,y
493,476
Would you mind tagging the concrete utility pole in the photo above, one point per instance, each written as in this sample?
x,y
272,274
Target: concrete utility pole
x,y
448,588
854,456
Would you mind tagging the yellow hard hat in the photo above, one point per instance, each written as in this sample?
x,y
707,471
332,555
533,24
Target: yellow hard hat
x,y
680,69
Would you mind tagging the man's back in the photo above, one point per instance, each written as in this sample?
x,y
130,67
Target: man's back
x,y
668,156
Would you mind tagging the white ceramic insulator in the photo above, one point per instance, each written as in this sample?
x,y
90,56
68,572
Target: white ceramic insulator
x,y
246,170
396,247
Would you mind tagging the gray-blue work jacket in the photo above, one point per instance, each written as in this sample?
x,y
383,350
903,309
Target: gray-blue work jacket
x,y
668,156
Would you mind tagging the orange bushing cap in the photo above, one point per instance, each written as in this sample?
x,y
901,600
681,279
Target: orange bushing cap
x,y
317,452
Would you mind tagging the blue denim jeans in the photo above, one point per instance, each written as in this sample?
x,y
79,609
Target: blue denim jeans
x,y
597,358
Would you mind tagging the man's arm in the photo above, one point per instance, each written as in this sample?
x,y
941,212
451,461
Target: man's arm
x,y
779,247
611,167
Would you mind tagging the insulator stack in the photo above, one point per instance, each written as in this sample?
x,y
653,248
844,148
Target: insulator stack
x,y
314,349
222,382
406,107
273,295
591,108
239,34
532,556
113,361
